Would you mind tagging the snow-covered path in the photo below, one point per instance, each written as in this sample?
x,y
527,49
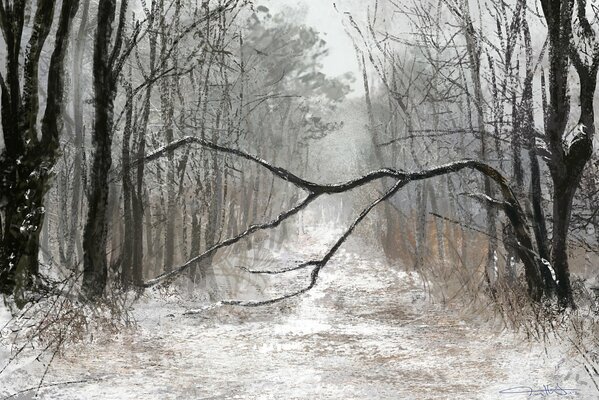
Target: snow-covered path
x,y
365,332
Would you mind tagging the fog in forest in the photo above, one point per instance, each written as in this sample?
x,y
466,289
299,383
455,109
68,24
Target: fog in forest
x,y
270,199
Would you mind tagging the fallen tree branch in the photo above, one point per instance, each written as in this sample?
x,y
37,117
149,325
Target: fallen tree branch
x,y
319,264
282,173
253,228
510,206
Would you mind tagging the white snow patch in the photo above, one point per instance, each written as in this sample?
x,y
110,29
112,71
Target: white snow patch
x,y
358,334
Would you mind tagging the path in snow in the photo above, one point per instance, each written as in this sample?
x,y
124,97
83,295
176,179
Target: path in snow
x,y
365,332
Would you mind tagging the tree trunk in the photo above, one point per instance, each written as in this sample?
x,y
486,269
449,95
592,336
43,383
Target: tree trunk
x,y
95,233
566,181
168,109
78,50
474,49
422,206
127,259
527,124
25,162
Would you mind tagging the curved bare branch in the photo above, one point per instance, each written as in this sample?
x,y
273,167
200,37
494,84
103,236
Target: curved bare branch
x,y
253,228
510,206
319,264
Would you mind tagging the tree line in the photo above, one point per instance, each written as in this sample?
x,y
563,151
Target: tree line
x,y
158,116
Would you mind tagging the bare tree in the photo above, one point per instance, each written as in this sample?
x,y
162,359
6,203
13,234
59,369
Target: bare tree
x,y
568,156
571,37
109,57
26,161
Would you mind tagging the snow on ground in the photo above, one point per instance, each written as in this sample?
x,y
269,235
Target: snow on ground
x,y
367,331
5,318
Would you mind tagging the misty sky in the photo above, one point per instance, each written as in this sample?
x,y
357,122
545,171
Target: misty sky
x,y
322,16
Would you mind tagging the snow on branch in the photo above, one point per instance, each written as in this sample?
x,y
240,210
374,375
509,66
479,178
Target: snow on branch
x,y
484,198
510,206
319,264
282,173
251,229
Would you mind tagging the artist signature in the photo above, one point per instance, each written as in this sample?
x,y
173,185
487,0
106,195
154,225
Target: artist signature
x,y
544,391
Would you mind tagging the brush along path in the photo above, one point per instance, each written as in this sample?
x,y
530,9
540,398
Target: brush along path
x,y
367,331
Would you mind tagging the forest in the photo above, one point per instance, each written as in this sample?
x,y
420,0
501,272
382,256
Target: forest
x,y
238,189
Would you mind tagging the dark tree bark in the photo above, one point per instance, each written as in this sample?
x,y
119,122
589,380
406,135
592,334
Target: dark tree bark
x,y
167,104
526,121
127,251
108,61
95,264
26,161
137,200
567,160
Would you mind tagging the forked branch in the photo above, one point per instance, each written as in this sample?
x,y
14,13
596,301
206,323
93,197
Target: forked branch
x,y
510,206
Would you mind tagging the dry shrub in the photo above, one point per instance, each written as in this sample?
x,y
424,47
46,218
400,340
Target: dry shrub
x,y
58,318
456,277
